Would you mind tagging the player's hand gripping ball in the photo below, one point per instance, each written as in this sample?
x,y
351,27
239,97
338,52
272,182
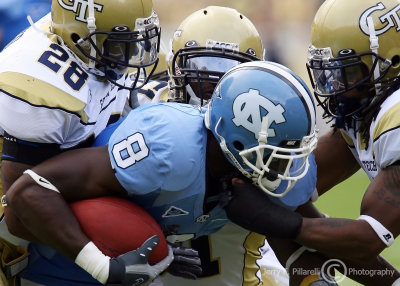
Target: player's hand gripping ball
x,y
117,226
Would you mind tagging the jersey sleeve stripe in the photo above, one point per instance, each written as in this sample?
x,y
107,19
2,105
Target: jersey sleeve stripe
x,y
347,138
39,93
390,120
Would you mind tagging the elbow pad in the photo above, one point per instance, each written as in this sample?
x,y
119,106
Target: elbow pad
x,y
250,208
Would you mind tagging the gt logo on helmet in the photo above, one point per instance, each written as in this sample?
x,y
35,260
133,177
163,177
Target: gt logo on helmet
x,y
79,6
391,18
246,109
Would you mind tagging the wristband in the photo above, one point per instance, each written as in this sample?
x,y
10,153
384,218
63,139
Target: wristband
x,y
383,233
91,259
41,181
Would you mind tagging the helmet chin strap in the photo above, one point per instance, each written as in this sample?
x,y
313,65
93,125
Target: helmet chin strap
x,y
91,25
267,185
374,45
193,100
33,25
262,140
51,33
225,149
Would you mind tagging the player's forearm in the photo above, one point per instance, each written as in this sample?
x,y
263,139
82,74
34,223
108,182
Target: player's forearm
x,y
92,177
334,160
45,215
342,238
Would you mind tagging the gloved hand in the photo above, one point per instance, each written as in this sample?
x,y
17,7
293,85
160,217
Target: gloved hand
x,y
186,262
249,207
132,268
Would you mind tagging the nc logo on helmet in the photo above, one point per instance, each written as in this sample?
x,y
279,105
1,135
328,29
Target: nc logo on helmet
x,y
247,112
391,18
79,5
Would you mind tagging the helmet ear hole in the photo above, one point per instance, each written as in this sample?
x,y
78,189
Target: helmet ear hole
x,y
396,61
238,145
75,37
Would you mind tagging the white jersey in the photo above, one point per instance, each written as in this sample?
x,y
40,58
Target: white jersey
x,y
47,94
384,141
153,91
234,256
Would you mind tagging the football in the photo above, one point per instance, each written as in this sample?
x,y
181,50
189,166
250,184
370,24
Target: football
x,y
117,226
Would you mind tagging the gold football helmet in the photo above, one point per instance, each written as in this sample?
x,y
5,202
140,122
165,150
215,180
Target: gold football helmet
x,y
354,51
108,36
207,44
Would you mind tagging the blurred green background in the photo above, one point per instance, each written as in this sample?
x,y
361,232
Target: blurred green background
x,y
344,201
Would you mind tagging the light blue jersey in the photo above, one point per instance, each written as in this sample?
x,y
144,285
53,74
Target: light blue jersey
x,y
159,156
158,153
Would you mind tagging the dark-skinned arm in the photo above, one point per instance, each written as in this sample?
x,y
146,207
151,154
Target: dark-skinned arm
x,y
77,175
251,209
385,273
355,239
334,159
42,210
10,172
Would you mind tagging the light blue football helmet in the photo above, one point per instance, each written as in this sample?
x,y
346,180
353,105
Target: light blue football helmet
x,y
263,116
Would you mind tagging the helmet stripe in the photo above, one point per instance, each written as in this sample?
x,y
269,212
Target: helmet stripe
x,y
285,75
